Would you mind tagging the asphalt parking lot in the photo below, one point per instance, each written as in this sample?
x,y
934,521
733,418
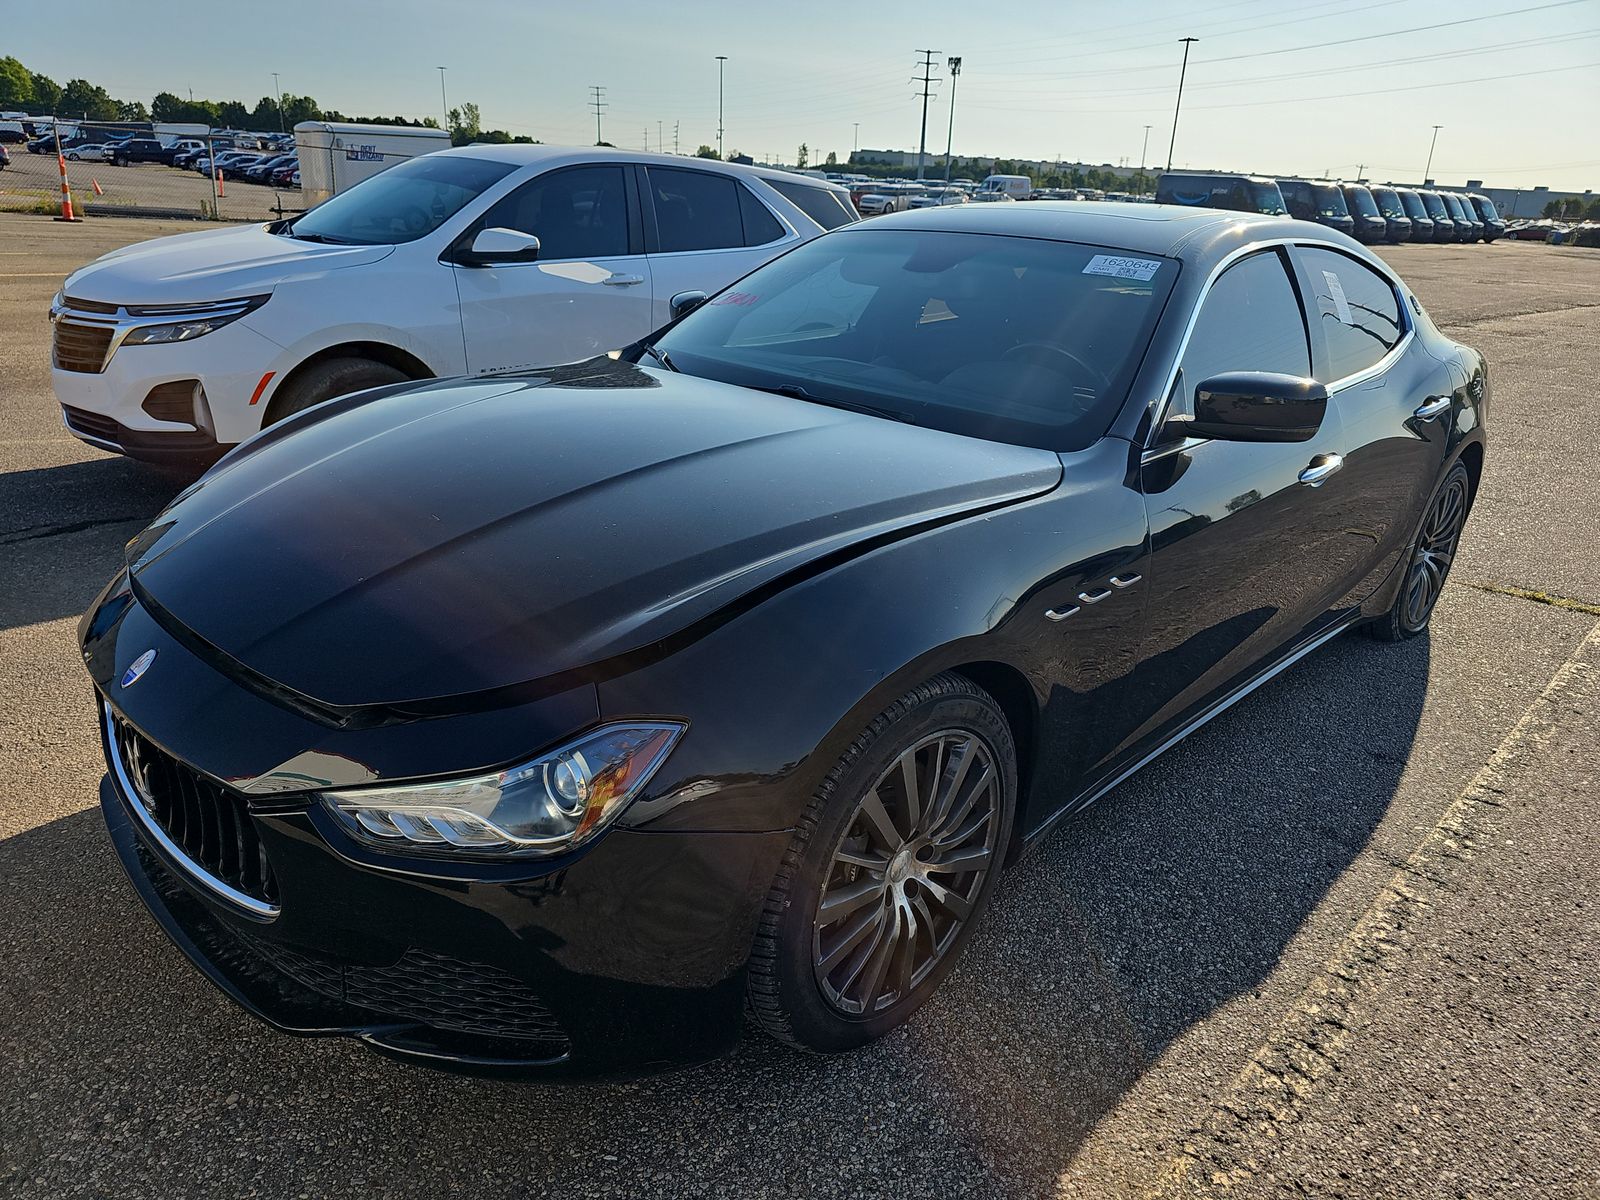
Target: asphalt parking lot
x,y
1345,941
35,178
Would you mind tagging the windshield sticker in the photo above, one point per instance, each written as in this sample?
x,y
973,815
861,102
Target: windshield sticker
x,y
1340,304
1122,268
744,299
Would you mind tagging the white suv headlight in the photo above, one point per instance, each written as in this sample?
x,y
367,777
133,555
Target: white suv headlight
x,y
551,804
197,320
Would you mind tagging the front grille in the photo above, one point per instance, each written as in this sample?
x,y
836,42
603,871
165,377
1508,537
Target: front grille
x,y
171,401
210,824
81,347
96,425
94,306
431,989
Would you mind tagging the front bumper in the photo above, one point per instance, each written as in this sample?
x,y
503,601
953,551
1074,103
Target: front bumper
x,y
624,958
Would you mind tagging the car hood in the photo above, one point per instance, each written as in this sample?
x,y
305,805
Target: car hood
x,y
217,264
443,541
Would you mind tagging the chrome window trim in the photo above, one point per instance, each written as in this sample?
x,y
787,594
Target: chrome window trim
x,y
1158,406
147,822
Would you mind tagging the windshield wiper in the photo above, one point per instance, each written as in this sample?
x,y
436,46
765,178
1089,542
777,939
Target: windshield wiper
x,y
796,392
660,356
321,237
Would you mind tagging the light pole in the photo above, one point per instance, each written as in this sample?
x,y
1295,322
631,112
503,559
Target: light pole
x,y
282,128
1179,106
855,143
1431,145
444,104
721,58
954,63
1144,148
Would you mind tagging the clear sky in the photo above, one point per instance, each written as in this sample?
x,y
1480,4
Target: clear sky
x,y
1265,92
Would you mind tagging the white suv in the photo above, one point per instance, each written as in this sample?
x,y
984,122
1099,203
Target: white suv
x,y
480,260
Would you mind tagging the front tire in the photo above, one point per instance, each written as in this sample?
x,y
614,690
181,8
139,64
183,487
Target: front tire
x,y
889,870
1428,566
325,380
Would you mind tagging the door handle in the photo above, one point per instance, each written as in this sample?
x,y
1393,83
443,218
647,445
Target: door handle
x,y
1437,406
1322,467
622,280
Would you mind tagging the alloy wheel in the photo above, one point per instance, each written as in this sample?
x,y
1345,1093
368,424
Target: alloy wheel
x,y
1435,551
907,872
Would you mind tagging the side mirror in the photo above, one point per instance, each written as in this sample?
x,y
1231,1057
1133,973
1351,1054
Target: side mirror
x,y
685,303
1257,406
493,246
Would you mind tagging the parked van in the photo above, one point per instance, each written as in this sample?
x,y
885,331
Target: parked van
x,y
335,156
1317,201
1018,187
1238,193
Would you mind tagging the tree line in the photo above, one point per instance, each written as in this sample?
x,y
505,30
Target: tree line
x,y
36,94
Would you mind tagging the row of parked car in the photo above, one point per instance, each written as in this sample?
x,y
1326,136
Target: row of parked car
x,y
1369,213
272,170
276,167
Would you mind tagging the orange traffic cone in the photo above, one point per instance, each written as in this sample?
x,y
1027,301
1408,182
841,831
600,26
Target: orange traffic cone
x,y
95,183
66,191
221,190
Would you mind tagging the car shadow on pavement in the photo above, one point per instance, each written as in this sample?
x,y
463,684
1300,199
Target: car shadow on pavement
x,y
62,529
1174,897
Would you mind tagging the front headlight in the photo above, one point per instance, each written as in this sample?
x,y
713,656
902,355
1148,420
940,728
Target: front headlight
x,y
198,320
554,803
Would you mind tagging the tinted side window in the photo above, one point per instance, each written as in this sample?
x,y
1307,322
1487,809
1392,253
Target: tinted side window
x,y
1356,309
1249,321
826,208
760,226
576,213
696,210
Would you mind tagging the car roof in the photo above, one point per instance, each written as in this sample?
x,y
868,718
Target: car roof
x,y
1171,230
525,155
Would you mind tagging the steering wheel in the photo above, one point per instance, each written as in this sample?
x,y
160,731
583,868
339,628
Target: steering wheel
x,y
413,218
1082,368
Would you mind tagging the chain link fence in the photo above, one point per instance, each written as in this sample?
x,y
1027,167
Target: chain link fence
x,y
132,169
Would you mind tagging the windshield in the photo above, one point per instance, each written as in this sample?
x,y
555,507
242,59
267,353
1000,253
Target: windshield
x,y
1486,208
1415,208
1268,199
1361,200
1330,200
401,204
1435,206
1453,207
1389,202
1012,339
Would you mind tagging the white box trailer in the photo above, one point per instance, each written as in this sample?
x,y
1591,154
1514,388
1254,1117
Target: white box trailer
x,y
335,156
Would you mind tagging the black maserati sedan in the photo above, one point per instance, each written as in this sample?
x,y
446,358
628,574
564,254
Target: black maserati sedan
x,y
554,722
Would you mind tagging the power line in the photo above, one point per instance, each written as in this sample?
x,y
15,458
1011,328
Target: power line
x,y
927,91
599,105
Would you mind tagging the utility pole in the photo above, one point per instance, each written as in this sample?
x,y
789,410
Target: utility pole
x,y
444,104
282,128
675,125
927,90
1431,145
661,141
721,60
1360,171
1179,106
599,105
1144,148
954,63
855,142
647,139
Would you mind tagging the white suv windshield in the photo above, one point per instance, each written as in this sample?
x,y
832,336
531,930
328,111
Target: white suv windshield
x,y
401,204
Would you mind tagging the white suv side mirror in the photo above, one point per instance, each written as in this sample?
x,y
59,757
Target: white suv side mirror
x,y
493,246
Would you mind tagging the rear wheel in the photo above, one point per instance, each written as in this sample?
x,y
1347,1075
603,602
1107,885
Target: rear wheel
x,y
1431,556
325,380
889,870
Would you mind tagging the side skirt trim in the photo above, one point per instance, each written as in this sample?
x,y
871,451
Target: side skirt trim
x,y
1194,723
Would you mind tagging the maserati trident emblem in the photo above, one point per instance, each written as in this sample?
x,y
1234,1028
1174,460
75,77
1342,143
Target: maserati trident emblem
x,y
137,668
